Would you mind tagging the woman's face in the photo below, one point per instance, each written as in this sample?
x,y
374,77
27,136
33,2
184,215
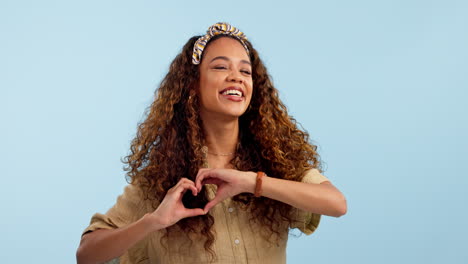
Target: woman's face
x,y
225,85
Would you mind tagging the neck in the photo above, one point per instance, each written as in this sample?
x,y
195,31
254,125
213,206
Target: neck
x,y
221,137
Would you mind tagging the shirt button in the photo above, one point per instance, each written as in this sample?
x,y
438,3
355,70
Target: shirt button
x,y
237,241
230,209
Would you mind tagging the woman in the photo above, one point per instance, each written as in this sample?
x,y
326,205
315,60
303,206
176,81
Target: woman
x,y
218,170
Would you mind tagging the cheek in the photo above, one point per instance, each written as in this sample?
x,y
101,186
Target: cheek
x,y
251,87
207,90
203,86
208,82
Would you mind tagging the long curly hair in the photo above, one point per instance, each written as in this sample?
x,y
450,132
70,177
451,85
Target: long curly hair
x,y
172,133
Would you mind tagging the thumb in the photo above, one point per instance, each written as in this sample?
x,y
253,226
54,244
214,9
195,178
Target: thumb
x,y
212,203
194,212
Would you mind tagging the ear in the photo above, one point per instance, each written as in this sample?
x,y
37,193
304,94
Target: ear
x,y
193,90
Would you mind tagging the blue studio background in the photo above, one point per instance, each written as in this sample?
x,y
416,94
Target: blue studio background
x,y
381,86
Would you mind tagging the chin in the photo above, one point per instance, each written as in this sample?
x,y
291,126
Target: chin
x,y
238,113
234,115
223,111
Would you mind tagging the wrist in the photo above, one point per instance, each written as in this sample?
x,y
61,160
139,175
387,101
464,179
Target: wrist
x,y
252,178
151,223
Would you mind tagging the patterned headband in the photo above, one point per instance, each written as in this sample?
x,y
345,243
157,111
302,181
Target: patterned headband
x,y
214,30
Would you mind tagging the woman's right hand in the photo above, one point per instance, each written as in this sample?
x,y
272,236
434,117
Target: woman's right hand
x,y
103,245
171,209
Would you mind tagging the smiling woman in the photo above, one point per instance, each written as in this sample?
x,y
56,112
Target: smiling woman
x,y
225,87
219,172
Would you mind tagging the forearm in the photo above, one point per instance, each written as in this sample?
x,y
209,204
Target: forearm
x,y
103,245
322,199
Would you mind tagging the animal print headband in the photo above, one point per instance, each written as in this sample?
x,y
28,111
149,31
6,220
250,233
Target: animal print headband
x,y
214,30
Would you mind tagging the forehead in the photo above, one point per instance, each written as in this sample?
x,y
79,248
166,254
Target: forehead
x,y
225,46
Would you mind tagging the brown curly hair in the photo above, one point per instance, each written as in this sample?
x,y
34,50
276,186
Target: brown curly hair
x,y
269,141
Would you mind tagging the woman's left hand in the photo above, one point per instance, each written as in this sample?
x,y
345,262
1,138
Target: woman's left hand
x,y
230,183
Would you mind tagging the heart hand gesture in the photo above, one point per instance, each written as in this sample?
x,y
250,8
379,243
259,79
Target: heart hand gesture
x,y
171,209
230,183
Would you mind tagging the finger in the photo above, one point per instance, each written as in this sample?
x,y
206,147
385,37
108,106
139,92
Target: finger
x,y
181,181
203,169
183,187
211,204
190,183
212,181
202,173
199,177
194,212
194,190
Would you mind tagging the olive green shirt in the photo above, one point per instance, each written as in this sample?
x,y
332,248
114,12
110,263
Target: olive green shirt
x,y
238,240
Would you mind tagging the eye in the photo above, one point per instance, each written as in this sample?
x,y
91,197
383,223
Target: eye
x,y
220,67
246,72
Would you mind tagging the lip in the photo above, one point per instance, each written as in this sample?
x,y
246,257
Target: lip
x,y
233,88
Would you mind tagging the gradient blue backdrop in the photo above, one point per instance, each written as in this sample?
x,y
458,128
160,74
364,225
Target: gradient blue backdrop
x,y
381,86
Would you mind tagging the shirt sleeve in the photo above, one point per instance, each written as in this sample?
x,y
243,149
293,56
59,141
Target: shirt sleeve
x,y
305,221
129,208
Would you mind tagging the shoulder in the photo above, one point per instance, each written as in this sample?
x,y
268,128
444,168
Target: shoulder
x,y
133,200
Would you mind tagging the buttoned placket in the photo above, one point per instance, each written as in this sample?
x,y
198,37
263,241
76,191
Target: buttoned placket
x,y
235,232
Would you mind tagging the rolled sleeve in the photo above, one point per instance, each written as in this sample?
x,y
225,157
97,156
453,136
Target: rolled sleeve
x,y
305,221
128,208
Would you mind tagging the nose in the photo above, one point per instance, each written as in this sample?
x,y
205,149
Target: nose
x,y
235,76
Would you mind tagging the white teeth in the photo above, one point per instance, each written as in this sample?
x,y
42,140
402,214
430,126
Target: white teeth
x,y
232,92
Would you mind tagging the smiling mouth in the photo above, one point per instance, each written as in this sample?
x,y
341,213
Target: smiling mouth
x,y
232,92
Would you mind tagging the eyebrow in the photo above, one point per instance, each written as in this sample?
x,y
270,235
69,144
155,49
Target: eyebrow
x,y
227,59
